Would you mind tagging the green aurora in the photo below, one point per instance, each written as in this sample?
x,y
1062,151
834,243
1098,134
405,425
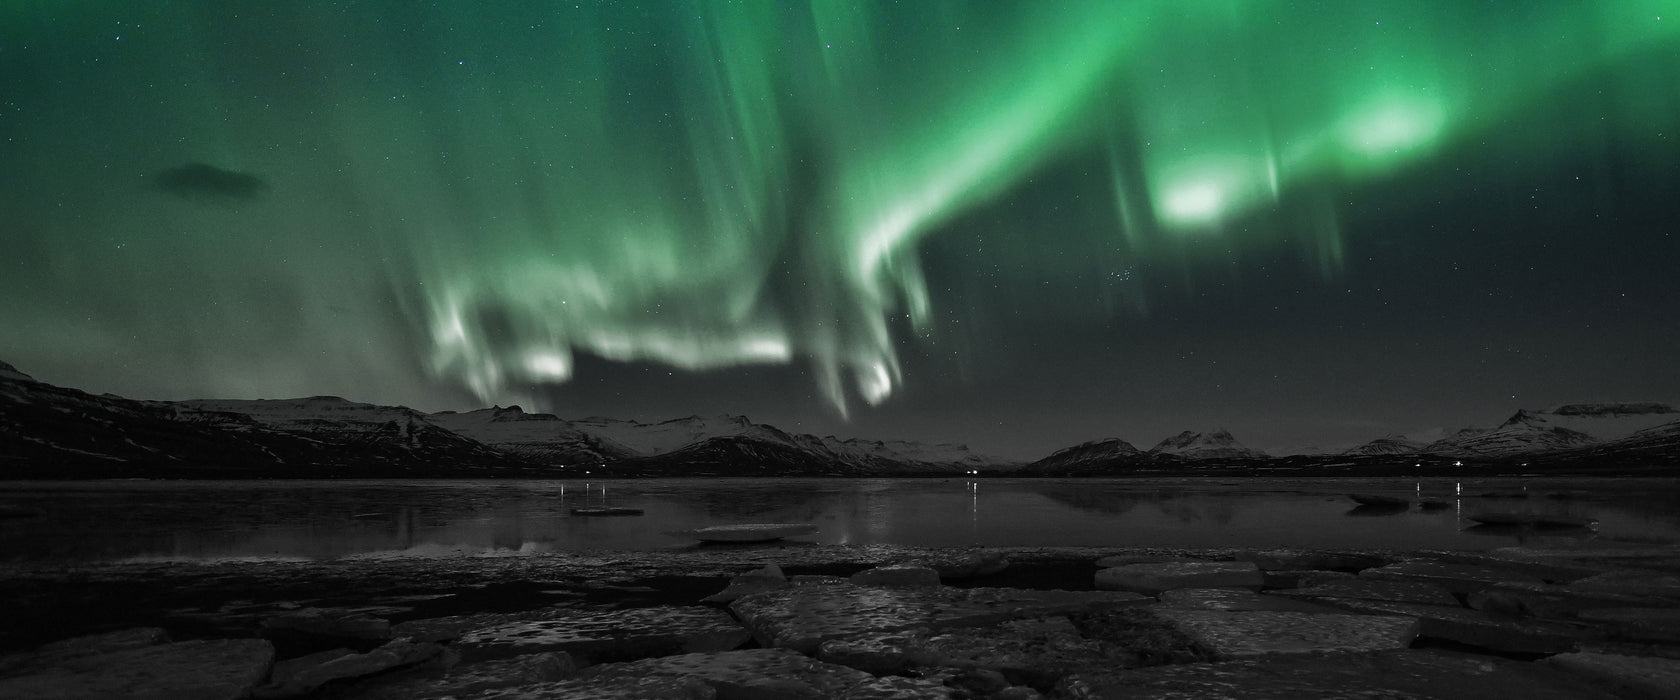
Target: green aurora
x,y
470,197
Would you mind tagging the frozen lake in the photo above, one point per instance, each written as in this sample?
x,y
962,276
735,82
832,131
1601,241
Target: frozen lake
x,y
215,520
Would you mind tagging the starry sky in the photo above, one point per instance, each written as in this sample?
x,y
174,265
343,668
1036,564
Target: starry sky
x,y
1014,224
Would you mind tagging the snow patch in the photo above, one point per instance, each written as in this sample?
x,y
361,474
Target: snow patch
x,y
9,372
1215,444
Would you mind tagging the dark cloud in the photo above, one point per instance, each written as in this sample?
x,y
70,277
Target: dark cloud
x,y
202,181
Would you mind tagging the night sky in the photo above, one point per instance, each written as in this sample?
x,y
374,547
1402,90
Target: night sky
x,y
1018,225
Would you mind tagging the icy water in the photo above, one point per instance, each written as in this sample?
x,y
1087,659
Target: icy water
x,y
221,520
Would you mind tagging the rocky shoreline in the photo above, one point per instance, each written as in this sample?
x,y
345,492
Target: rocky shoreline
x,y
808,621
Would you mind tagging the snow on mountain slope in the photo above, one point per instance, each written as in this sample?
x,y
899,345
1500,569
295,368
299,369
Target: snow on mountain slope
x,y
1217,444
671,435
1088,455
9,372
334,419
742,455
1657,445
1665,431
674,436
735,455
48,431
1390,445
1564,427
540,436
1311,449
1513,440
1665,437
305,412
1462,434
1603,421
910,453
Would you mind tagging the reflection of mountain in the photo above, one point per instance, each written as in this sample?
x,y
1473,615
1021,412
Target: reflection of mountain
x,y
760,502
1378,509
1104,501
1183,505
1655,505
1200,508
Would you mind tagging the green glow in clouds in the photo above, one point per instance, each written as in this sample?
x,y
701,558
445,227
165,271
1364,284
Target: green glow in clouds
x,y
709,184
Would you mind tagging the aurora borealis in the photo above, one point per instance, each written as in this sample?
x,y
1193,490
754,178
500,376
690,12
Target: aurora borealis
x,y
1014,224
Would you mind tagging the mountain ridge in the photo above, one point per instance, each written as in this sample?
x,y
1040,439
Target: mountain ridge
x,y
48,431
1214,444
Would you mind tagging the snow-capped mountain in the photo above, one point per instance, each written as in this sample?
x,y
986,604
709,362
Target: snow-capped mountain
x,y
1653,450
674,437
930,456
49,431
1216,444
1605,421
1561,428
1389,445
1654,441
1312,449
1086,457
76,433
666,436
9,372
1118,457
741,455
1511,439
539,437
305,414
332,419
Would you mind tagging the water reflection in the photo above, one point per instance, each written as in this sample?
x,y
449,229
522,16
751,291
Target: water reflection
x,y
279,520
1097,500
1378,509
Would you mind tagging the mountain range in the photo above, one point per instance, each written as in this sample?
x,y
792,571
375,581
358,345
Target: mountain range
x,y
1598,437
47,431
1563,428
